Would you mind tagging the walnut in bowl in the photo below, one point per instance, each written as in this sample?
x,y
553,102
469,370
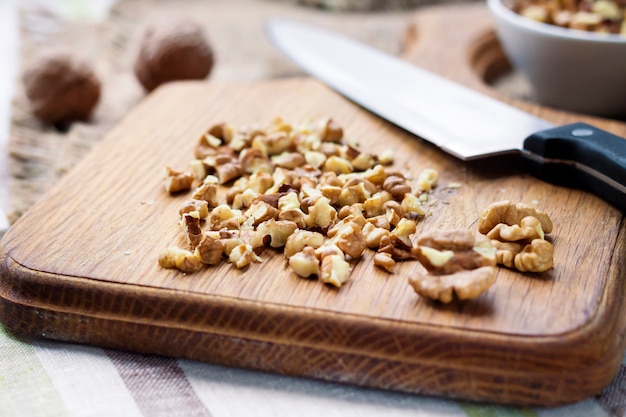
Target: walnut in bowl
x,y
576,70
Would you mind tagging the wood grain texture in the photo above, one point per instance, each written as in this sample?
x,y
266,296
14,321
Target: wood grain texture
x,y
81,266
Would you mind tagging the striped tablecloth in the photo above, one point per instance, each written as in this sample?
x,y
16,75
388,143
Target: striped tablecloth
x,y
46,378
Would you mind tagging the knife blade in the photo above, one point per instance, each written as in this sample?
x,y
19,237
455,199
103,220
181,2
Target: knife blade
x,y
460,121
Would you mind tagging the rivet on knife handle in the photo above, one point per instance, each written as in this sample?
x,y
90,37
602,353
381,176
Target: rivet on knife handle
x,y
580,156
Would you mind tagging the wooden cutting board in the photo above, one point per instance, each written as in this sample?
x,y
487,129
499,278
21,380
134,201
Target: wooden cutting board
x,y
81,266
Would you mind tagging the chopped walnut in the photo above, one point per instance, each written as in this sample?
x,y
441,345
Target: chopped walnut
x,y
272,143
393,212
337,165
321,214
260,182
606,16
380,221
327,249
412,206
350,240
201,206
207,144
261,212
335,270
229,171
331,131
373,235
245,199
299,239
404,229
190,223
396,185
374,205
427,179
305,263
384,261
289,160
199,169
363,161
224,217
376,175
253,161
231,242
208,193
276,232
243,255
396,247
352,194
181,259
386,157
210,249
176,181
331,192
304,188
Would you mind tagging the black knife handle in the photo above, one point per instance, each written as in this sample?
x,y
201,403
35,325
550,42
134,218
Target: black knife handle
x,y
580,156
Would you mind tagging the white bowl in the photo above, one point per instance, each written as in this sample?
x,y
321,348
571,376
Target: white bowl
x,y
569,69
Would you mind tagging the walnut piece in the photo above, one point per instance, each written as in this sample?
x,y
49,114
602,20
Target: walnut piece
x,y
528,229
243,255
190,223
384,261
181,259
509,213
208,193
459,261
607,16
396,185
334,270
210,249
300,239
305,263
464,284
427,179
176,181
201,206
536,256
275,232
518,232
449,251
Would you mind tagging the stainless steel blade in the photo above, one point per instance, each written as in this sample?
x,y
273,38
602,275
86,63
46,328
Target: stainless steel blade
x,y
461,121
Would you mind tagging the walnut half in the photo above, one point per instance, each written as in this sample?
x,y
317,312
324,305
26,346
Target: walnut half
x,y
518,233
464,284
459,262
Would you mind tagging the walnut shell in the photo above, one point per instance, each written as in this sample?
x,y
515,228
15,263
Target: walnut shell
x,y
61,87
173,51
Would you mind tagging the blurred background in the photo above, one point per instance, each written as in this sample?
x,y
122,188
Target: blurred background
x,y
108,33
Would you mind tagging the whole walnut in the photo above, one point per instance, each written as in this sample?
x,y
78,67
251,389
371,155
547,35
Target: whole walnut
x,y
61,87
173,51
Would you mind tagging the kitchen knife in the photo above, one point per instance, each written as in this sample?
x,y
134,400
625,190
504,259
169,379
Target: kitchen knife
x,y
459,120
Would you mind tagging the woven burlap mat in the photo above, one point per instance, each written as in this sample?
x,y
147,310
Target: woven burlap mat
x,y
40,154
